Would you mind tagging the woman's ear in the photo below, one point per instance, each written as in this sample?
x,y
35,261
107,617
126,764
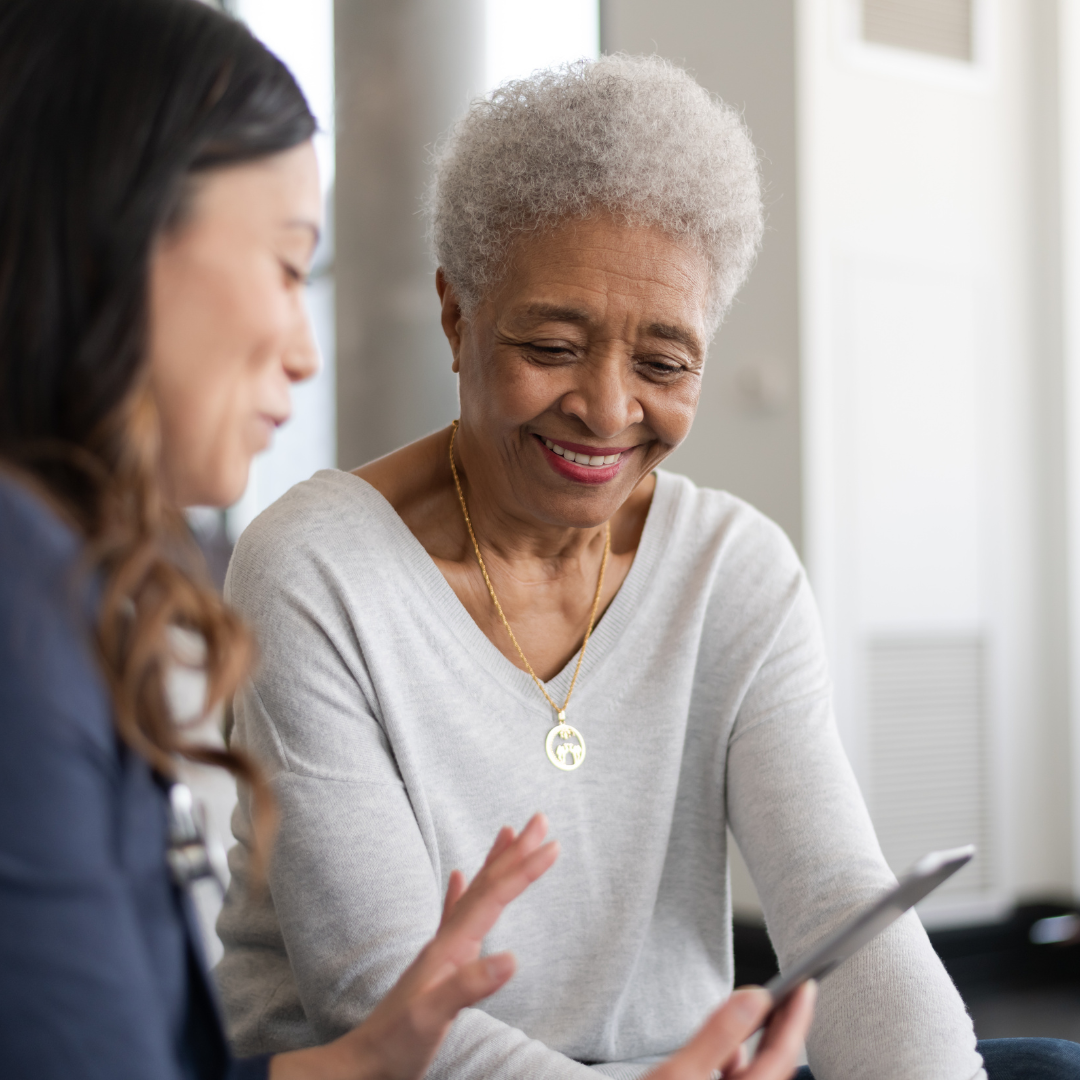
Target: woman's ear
x,y
451,315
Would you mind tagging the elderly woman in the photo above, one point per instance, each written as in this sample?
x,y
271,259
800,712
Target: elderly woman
x,y
521,612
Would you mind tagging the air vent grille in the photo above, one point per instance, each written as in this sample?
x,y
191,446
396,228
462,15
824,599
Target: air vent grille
x,y
938,27
928,755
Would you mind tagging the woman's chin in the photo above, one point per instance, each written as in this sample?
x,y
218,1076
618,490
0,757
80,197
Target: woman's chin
x,y
585,508
230,493
222,490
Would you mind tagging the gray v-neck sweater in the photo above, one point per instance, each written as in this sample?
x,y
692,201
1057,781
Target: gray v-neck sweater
x,y
399,739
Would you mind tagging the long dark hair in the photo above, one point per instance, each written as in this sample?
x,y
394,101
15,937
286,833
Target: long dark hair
x,y
108,108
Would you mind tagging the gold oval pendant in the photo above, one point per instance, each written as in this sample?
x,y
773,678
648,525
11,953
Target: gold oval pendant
x,y
570,752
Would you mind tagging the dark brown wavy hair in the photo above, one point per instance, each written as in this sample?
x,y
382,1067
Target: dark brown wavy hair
x,y
108,109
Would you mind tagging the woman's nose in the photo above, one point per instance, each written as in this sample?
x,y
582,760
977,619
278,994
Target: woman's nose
x,y
604,399
300,357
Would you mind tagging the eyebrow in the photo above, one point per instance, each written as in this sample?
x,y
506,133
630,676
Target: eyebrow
x,y
554,311
664,331
301,223
667,332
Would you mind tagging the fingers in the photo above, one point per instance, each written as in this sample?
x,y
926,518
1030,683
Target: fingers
x,y
737,1063
439,1005
505,838
513,863
456,885
505,875
784,1037
483,902
407,1026
401,1035
719,1039
454,889
509,871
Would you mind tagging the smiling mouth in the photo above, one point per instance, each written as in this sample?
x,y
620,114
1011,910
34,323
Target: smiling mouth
x,y
578,457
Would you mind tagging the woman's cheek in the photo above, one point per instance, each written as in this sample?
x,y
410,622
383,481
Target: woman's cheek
x,y
532,391
672,414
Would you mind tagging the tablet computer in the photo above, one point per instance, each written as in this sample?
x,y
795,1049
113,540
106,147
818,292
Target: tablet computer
x,y
925,876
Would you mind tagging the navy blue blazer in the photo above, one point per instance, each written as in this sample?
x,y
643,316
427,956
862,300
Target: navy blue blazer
x,y
101,972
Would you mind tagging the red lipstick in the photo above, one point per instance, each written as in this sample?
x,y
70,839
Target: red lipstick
x,y
584,474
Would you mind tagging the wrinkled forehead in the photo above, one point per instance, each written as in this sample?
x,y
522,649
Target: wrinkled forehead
x,y
605,270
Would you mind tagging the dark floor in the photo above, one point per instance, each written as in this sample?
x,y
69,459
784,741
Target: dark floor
x,y
1013,987
1011,1014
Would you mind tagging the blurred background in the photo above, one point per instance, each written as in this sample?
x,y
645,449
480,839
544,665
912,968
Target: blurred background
x,y
898,385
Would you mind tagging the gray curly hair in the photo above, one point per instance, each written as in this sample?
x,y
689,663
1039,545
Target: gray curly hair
x,y
634,135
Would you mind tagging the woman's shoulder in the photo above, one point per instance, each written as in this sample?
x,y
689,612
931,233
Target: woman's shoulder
x,y
326,507
708,523
48,674
39,558
741,560
33,535
334,520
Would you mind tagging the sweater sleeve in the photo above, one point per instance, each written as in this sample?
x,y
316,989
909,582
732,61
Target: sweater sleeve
x,y
796,811
353,890
78,992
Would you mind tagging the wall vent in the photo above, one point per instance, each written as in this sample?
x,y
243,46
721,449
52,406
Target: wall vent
x,y
928,752
938,27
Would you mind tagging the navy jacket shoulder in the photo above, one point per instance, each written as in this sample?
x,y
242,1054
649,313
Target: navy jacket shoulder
x,y
98,977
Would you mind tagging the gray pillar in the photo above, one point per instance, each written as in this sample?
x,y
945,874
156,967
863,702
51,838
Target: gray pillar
x,y
747,436
405,70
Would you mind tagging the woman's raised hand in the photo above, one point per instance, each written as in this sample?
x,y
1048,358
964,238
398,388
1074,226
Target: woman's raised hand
x,y
718,1046
400,1037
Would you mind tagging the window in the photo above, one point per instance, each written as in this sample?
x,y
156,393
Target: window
x,y
939,27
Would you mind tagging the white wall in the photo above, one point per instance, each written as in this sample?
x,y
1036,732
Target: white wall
x,y
520,38
1066,76
925,524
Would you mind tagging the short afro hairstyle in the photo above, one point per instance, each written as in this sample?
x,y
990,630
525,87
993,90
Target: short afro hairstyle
x,y
635,136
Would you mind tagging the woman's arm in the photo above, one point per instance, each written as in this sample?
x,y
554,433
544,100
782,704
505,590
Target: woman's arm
x,y
801,823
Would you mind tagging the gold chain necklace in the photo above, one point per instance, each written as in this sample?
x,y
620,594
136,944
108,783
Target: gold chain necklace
x,y
565,745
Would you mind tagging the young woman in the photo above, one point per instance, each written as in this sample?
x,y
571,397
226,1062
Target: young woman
x,y
159,207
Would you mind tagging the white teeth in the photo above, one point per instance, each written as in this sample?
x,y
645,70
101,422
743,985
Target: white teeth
x,y
594,460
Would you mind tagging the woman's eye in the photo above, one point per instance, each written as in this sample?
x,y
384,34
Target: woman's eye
x,y
554,352
663,368
294,275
